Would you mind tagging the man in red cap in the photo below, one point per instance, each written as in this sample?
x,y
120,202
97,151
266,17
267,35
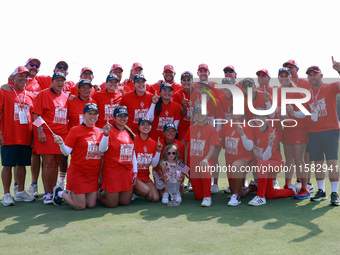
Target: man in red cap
x,y
86,73
263,78
116,69
169,76
324,131
16,135
229,71
128,84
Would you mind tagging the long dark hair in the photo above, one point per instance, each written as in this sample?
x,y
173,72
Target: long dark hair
x,y
159,106
132,134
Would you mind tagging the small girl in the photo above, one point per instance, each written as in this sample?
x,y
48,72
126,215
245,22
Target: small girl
x,y
170,158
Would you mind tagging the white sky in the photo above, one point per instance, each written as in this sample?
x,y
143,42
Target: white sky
x,y
250,35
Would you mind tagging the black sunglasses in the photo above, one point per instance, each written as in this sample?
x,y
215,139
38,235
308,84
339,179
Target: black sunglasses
x,y
171,153
62,67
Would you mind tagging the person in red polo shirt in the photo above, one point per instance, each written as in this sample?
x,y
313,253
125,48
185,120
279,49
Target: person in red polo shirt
x,y
137,102
169,76
82,143
16,135
324,131
128,84
51,105
107,100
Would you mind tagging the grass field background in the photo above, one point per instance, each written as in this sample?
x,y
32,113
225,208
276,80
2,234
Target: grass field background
x,y
282,226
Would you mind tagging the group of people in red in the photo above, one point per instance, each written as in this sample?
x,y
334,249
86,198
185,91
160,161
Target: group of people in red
x,y
116,131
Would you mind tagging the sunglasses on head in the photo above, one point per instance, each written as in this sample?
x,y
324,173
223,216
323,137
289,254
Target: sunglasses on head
x,y
171,153
34,65
62,67
228,71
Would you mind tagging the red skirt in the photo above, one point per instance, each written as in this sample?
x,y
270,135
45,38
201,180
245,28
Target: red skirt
x,y
144,175
116,179
81,183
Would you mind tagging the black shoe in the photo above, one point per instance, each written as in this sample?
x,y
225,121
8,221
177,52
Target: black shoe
x,y
56,199
335,199
320,195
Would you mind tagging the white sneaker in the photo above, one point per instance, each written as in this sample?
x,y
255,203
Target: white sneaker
x,y
227,190
189,186
23,196
298,185
134,197
7,200
47,198
33,190
256,201
234,200
214,189
310,187
61,184
15,189
276,184
294,188
206,202
179,198
165,198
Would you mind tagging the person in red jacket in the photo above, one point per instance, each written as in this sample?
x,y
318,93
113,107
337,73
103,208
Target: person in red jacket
x,y
82,143
51,105
16,135
119,171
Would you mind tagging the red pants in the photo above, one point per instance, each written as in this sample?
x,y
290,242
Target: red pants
x,y
201,187
265,181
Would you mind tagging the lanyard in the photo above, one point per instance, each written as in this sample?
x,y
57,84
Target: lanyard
x,y
23,105
316,96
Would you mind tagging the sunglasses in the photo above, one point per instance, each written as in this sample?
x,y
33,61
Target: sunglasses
x,y
34,65
62,67
228,71
171,153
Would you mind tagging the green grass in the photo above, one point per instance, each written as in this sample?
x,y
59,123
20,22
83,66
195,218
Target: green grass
x,y
282,226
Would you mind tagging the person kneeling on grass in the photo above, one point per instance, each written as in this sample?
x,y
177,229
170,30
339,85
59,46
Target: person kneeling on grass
x,y
82,143
269,163
201,140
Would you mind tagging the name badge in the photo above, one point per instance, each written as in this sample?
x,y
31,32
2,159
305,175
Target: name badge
x,y
23,117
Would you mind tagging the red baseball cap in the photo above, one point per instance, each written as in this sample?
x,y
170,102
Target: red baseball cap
x,y
85,69
263,71
115,66
31,59
230,67
313,68
168,67
204,66
20,69
291,62
135,65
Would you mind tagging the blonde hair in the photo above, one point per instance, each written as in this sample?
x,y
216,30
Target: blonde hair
x,y
164,156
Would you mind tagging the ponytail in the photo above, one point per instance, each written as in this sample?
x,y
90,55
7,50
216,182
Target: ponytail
x,y
159,106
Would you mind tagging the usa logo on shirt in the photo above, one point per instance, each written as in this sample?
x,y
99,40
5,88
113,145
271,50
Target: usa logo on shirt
x,y
166,113
198,134
145,149
142,104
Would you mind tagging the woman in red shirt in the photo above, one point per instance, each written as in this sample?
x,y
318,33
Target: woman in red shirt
x,y
163,110
147,153
82,143
119,171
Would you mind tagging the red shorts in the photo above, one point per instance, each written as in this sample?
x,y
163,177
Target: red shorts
x,y
50,147
81,183
116,179
144,175
295,136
